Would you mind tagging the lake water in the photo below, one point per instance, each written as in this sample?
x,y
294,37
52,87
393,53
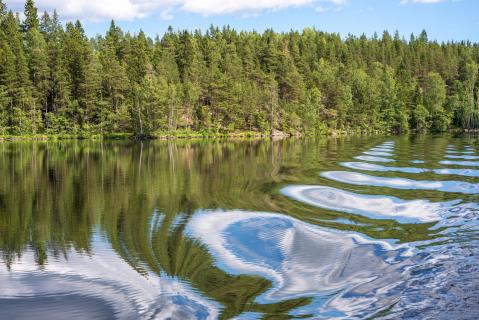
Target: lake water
x,y
327,228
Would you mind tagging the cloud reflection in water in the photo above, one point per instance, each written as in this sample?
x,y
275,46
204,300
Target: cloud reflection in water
x,y
371,206
97,286
401,183
346,272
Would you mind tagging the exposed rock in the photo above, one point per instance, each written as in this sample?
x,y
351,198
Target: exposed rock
x,y
279,134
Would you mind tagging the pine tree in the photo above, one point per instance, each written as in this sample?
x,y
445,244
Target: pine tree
x,y
7,84
91,92
138,59
36,48
19,85
192,69
31,16
115,80
434,101
46,25
75,47
59,86
3,11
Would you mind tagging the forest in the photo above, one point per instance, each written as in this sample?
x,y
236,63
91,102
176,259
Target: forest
x,y
55,80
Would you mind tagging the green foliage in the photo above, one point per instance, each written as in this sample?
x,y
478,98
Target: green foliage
x,y
3,11
223,81
420,116
31,16
434,100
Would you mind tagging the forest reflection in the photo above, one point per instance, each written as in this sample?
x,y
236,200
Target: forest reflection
x,y
55,197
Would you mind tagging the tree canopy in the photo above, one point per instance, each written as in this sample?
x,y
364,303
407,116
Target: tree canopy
x,y
55,80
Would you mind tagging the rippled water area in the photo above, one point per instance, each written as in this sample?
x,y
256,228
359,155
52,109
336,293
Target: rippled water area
x,y
323,228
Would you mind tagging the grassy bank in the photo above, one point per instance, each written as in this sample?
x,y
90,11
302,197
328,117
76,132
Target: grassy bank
x,y
130,136
176,135
42,137
185,135
157,135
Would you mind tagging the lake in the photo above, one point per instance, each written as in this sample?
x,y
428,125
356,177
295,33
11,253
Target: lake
x,y
324,228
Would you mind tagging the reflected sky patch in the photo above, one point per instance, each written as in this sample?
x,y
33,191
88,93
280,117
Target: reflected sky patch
x,y
401,183
374,159
459,152
457,172
387,143
418,161
465,157
305,260
382,149
378,153
98,286
371,206
379,168
461,163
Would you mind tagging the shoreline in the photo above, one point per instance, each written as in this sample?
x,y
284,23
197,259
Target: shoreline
x,y
276,135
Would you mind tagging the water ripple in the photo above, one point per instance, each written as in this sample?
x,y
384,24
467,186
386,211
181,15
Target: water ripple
x,y
371,206
461,163
459,152
378,153
401,183
347,273
374,159
100,286
465,157
382,149
457,172
379,168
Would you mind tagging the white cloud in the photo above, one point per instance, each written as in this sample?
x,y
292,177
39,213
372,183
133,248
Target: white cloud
x,y
321,9
331,5
420,1
96,10
137,9
213,7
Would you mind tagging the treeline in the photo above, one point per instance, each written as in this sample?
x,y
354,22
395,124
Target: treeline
x,y
55,80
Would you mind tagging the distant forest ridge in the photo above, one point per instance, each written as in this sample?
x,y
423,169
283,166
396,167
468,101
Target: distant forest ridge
x,y
55,80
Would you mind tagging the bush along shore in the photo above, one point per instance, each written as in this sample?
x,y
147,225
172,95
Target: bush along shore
x,y
159,135
57,82
276,134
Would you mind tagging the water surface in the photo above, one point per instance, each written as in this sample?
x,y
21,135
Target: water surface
x,y
326,228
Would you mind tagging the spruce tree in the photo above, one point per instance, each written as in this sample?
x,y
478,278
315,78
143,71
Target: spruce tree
x,y
31,16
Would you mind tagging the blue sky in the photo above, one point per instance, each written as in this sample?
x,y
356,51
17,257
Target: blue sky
x,y
443,19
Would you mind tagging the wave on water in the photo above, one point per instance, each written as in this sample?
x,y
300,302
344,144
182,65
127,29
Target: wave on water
x,y
374,159
457,172
442,283
455,152
465,157
460,163
401,183
97,286
364,166
371,206
348,274
382,149
379,168
378,153
417,161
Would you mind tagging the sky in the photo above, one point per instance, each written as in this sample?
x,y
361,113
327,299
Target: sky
x,y
443,20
